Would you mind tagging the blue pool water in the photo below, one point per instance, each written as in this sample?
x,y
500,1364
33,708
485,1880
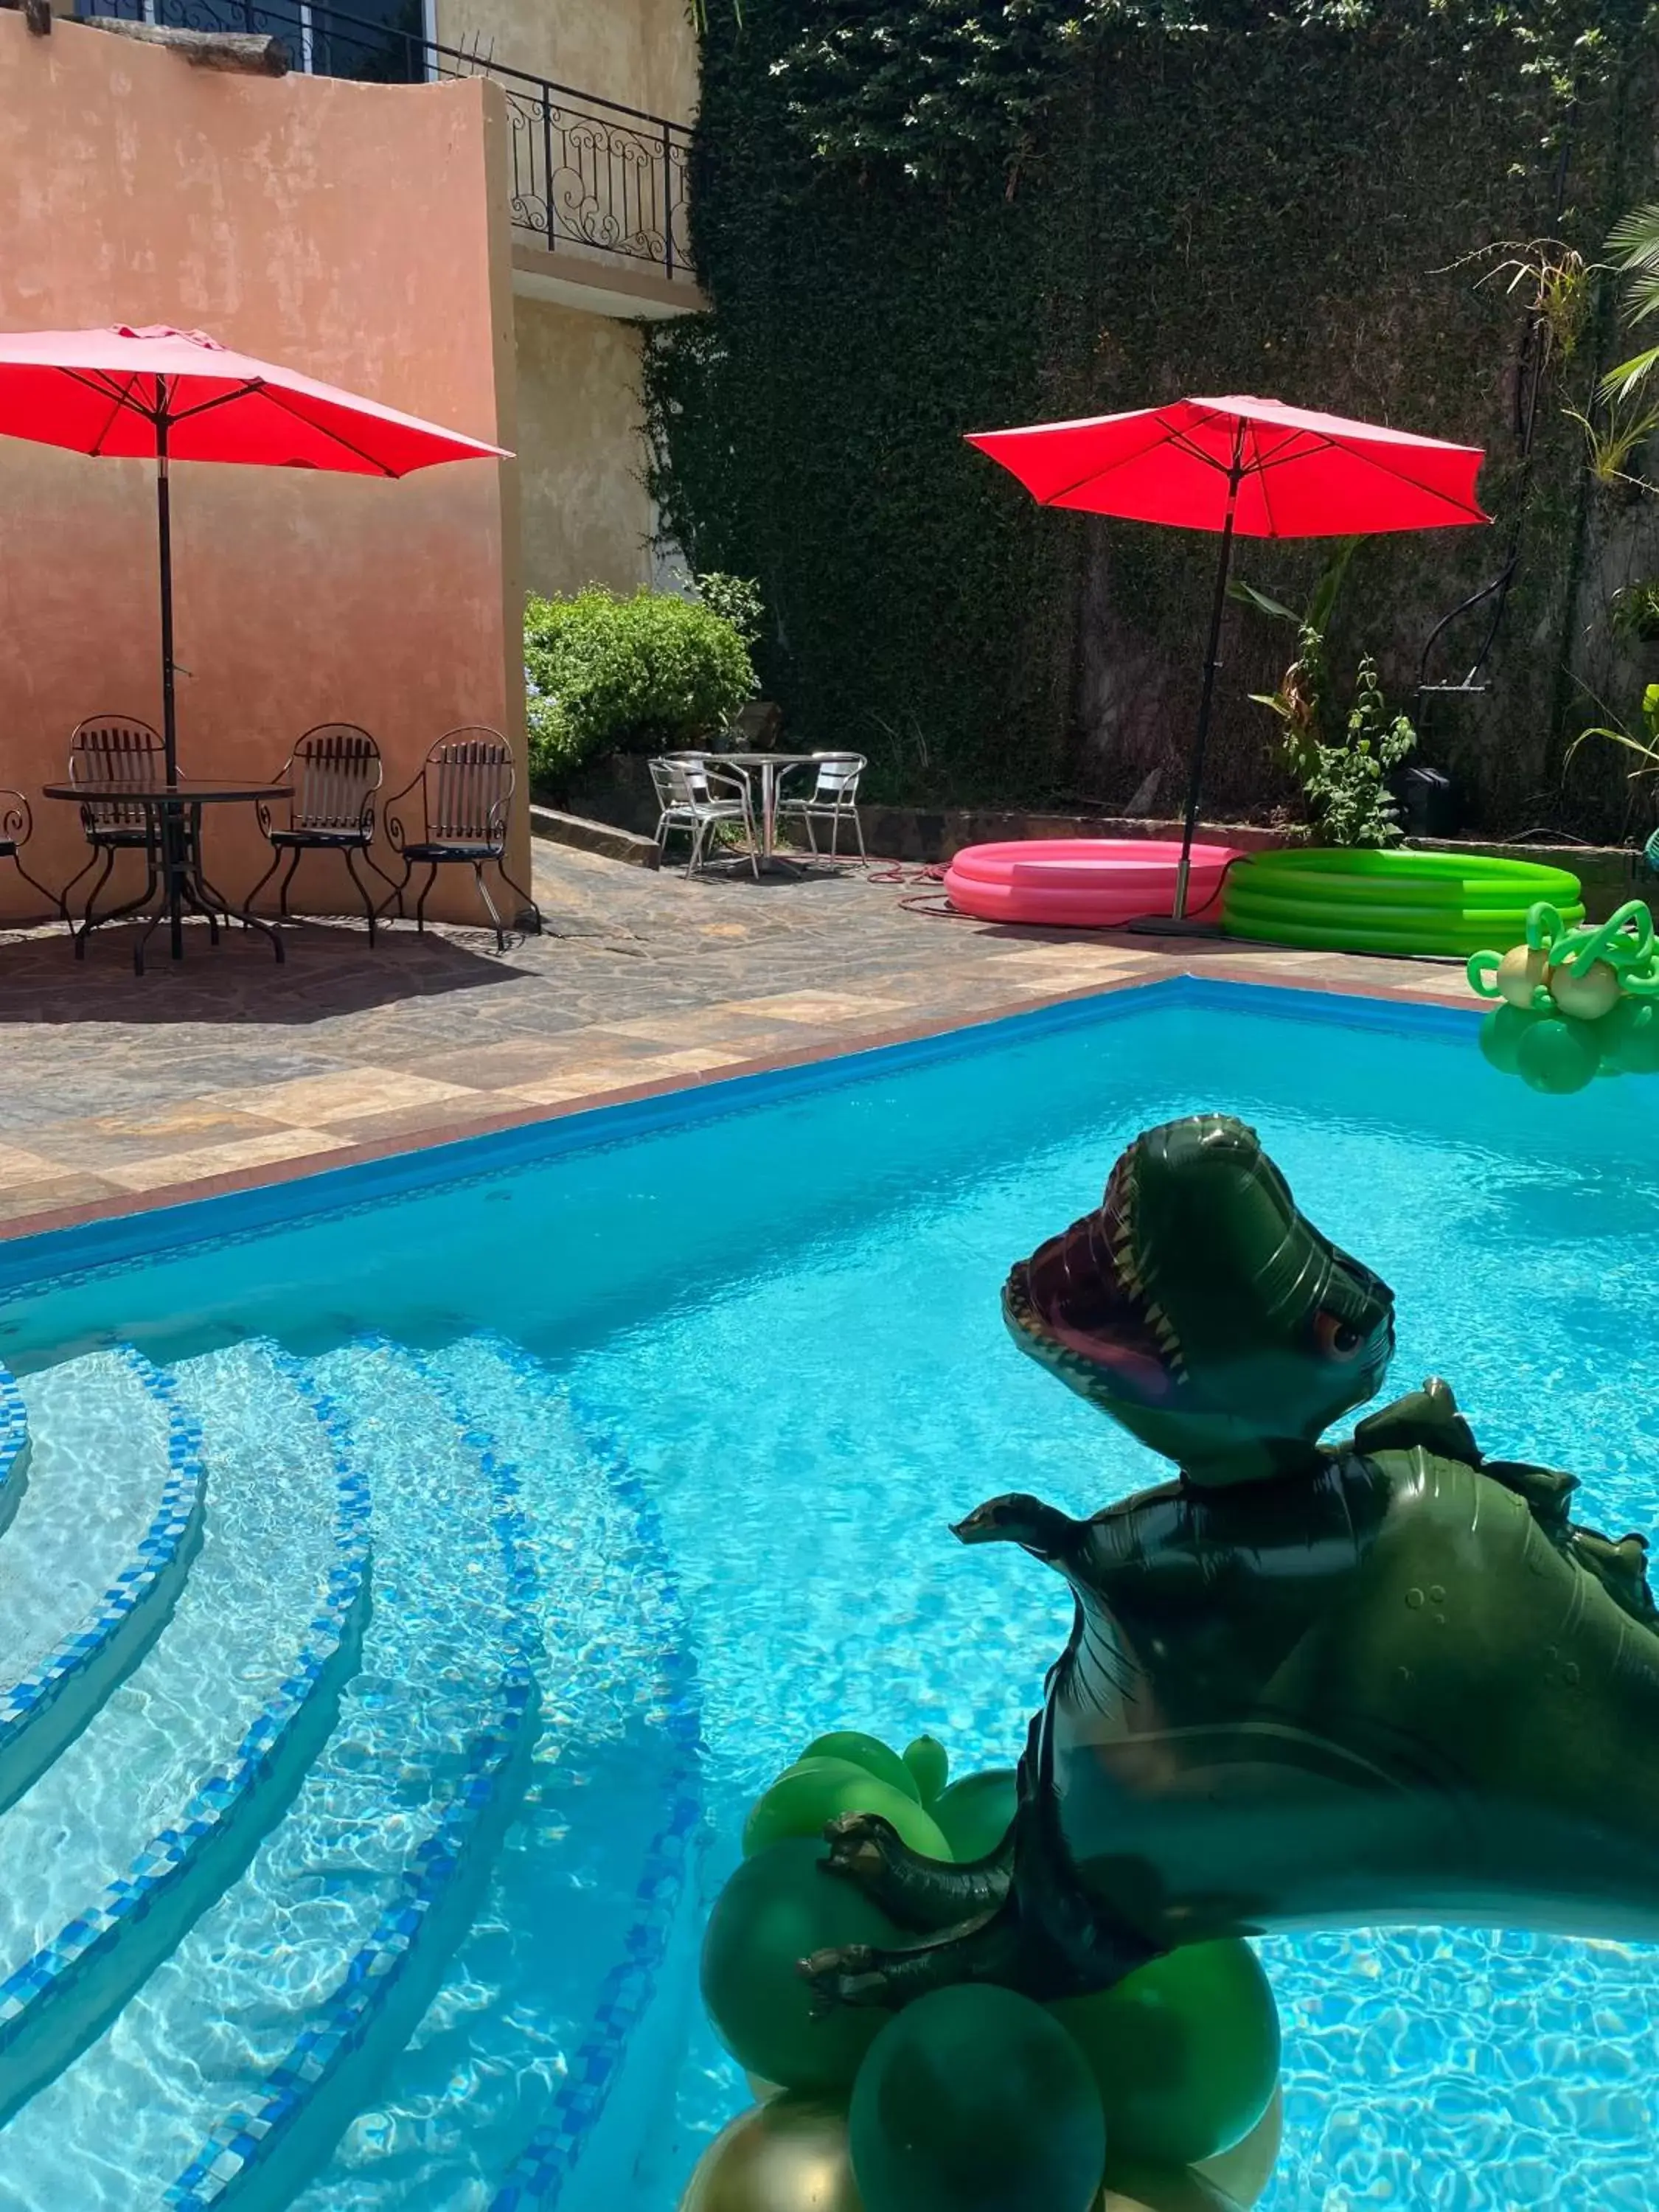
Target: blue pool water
x,y
549,1510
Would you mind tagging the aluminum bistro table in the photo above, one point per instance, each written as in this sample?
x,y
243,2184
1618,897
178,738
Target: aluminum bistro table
x,y
172,856
770,767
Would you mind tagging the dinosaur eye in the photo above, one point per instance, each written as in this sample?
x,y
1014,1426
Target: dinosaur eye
x,y
1336,1338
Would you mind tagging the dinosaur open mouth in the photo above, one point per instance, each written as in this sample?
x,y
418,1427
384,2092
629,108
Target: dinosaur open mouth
x,y
1084,1291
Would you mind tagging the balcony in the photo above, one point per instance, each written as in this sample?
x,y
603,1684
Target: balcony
x,y
599,191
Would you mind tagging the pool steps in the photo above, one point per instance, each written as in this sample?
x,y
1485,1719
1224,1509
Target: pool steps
x,y
209,1956
60,1999
49,1700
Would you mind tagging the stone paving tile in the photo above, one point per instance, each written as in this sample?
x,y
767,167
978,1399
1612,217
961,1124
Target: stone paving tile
x,y
349,1093
114,1085
163,1169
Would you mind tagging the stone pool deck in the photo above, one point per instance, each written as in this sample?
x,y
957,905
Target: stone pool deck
x,y
118,1092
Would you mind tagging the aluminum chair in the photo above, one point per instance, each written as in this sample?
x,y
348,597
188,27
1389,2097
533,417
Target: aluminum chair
x,y
466,785
334,770
832,799
689,797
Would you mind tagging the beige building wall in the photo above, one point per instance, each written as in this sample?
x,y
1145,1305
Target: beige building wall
x,y
643,53
586,516
357,232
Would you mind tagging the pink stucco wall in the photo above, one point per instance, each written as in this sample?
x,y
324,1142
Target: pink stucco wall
x,y
357,232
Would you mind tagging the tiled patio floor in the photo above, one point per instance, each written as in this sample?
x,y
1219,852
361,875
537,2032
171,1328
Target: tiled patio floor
x,y
118,1090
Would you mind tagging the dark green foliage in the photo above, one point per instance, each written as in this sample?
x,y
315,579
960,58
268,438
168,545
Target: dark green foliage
x,y
918,217
605,674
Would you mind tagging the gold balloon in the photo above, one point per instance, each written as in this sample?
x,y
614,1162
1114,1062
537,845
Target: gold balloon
x,y
1520,972
1588,996
789,2155
1232,2181
1245,2170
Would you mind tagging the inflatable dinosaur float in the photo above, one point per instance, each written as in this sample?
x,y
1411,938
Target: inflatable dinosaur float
x,y
1309,1685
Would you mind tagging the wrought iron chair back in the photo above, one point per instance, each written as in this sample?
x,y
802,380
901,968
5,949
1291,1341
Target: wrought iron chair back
x,y
469,785
112,750
466,784
336,770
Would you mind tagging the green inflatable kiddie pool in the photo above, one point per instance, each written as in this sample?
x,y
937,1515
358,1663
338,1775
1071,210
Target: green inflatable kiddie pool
x,y
1349,899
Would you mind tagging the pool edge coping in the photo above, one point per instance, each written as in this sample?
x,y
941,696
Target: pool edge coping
x,y
37,1246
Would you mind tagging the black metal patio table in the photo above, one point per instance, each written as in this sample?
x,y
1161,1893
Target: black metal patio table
x,y
172,856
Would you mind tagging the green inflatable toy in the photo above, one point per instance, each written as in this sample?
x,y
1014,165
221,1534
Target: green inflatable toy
x,y
1184,2052
1579,1001
803,1802
930,1767
977,1813
776,1909
867,1752
977,2100
1312,1684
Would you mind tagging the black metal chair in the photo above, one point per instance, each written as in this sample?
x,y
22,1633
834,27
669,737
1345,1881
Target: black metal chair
x,y
113,749
334,770
465,784
16,828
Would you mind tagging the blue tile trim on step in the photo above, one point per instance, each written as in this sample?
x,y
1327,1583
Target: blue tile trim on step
x,y
167,1544
90,1943
64,1257
496,1762
551,2156
14,1447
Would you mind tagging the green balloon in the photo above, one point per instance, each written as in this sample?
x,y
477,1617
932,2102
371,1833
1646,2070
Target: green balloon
x,y
803,1802
974,2100
778,1908
1501,1034
869,1753
1630,1037
930,1767
974,1812
1558,1054
1184,2051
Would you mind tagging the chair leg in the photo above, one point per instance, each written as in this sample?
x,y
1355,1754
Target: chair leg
x,y
811,834
63,895
287,883
420,903
363,891
50,897
528,898
489,904
754,848
858,831
834,835
697,830
92,900
252,899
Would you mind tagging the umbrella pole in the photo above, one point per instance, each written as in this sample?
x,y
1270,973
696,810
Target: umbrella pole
x,y
1212,665
164,534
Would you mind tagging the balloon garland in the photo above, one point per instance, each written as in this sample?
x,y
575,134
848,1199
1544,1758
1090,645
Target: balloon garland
x,y
1576,1002
1159,2095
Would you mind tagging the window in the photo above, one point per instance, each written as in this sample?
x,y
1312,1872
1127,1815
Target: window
x,y
381,41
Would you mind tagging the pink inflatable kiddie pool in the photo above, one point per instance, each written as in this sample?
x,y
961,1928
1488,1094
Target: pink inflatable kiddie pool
x,y
1082,883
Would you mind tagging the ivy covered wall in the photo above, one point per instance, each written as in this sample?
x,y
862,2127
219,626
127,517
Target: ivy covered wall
x,y
915,221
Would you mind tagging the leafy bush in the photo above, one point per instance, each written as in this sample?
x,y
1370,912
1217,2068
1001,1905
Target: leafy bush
x,y
1342,775
645,674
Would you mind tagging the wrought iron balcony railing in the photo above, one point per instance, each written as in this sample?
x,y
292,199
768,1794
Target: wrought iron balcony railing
x,y
587,173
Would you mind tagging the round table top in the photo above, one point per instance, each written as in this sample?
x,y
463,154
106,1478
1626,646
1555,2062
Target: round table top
x,y
770,760
188,790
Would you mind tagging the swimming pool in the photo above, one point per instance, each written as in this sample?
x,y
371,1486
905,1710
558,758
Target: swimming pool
x,y
479,1546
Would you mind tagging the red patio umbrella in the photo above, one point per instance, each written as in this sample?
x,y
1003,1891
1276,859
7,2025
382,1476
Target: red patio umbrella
x,y
1250,468
168,395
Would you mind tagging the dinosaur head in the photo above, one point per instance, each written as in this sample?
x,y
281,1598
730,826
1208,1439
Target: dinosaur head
x,y
1197,1307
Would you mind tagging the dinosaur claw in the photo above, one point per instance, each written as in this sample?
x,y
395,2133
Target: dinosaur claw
x,y
850,1976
